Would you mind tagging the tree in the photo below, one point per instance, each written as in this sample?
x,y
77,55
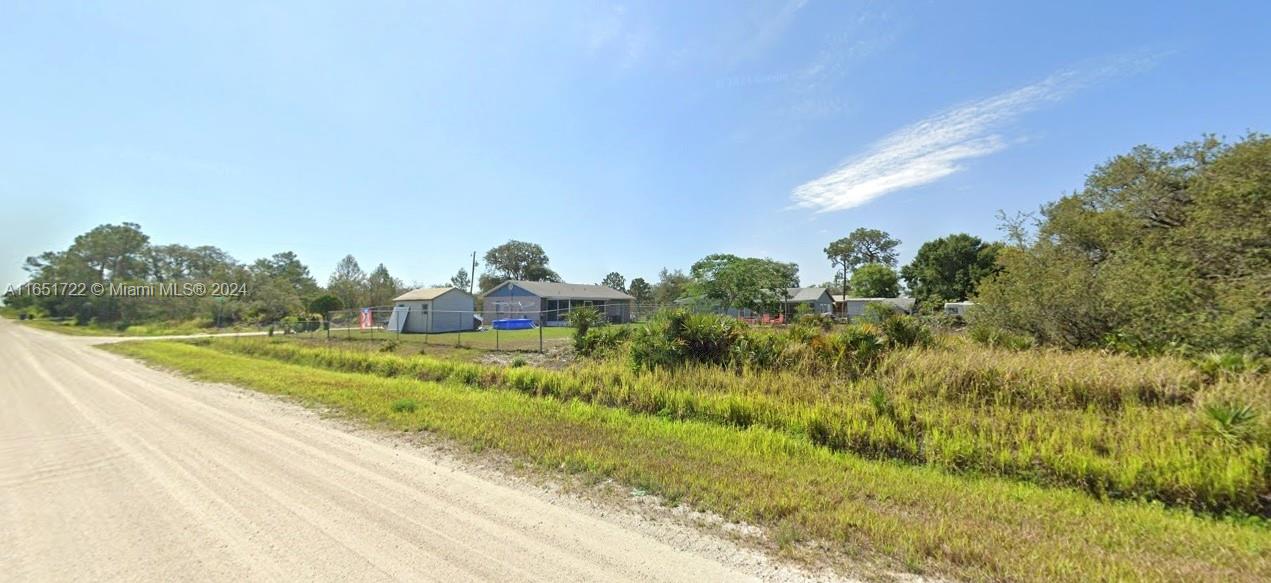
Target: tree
x,y
462,280
670,286
286,266
179,262
875,280
615,280
640,290
949,268
1159,249
381,287
115,252
272,300
860,247
744,282
325,304
348,282
516,260
122,254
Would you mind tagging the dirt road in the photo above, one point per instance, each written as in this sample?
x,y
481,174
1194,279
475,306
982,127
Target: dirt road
x,y
111,470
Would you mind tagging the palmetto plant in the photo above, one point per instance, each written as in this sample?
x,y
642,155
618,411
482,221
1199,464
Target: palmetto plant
x,y
1233,422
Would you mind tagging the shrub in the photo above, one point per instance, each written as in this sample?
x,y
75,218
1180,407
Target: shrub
x,y
517,362
877,313
583,319
404,406
390,346
762,351
994,337
601,341
1233,422
1216,364
677,337
904,331
855,349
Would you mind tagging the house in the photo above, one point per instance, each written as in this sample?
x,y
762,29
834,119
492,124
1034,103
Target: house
x,y
548,303
958,309
853,307
817,299
432,309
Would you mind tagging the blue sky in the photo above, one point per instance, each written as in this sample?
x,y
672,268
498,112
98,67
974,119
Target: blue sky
x,y
621,137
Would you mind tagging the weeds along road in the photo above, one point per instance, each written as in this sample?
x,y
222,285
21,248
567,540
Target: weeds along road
x,y
111,470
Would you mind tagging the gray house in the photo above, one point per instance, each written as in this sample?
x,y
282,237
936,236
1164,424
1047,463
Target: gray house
x,y
432,309
549,303
854,307
817,299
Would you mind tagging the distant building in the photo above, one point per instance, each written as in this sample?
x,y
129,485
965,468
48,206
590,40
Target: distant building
x,y
433,309
549,303
817,299
855,307
958,309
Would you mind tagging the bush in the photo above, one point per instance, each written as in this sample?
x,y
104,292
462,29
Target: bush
x,y
404,406
904,331
517,362
601,341
994,337
583,319
1216,364
855,349
1231,421
677,337
1158,247
763,351
877,313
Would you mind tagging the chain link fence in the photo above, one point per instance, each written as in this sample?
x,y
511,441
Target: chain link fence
x,y
499,326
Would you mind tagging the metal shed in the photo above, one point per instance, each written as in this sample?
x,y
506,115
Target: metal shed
x,y
434,309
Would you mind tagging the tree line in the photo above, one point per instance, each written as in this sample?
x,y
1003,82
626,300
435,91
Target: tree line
x,y
1161,249
276,287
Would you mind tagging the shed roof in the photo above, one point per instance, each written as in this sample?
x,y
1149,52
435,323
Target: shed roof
x,y
426,293
554,290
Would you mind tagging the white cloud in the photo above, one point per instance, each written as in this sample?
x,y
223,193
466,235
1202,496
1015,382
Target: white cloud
x,y
936,147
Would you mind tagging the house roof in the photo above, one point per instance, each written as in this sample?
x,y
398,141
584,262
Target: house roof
x,y
426,293
906,304
804,294
553,290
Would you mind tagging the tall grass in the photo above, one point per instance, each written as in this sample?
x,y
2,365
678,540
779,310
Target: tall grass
x,y
1112,426
906,517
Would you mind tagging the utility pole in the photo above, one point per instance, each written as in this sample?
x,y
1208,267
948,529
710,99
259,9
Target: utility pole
x,y
472,275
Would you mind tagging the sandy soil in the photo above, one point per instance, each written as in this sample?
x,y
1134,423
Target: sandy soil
x,y
110,470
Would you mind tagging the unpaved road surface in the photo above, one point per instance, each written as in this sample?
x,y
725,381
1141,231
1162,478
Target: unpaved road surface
x,y
113,471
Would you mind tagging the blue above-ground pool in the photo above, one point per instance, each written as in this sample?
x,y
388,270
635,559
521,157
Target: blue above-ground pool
x,y
514,324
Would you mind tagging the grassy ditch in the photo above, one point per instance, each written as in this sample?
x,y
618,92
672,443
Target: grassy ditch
x,y
1112,426
912,518
70,328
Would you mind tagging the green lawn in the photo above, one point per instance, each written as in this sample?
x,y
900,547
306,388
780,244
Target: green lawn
x,y
517,340
907,517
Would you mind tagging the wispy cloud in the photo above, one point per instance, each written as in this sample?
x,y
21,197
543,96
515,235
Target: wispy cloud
x,y
936,147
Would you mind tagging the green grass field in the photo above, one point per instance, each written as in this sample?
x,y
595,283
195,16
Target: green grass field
x,y
918,517
510,340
